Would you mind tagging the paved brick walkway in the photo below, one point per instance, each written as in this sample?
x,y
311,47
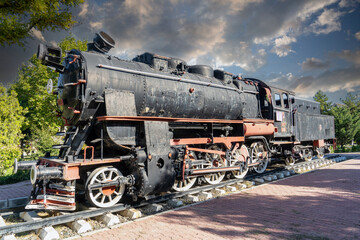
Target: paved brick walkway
x,y
16,190
324,204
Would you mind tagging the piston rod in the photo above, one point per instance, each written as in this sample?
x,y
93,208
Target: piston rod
x,y
128,180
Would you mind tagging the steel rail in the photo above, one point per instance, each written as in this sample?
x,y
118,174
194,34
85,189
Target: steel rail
x,y
57,220
66,218
52,221
207,187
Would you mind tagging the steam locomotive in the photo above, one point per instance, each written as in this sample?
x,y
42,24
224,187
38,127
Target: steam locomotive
x,y
154,124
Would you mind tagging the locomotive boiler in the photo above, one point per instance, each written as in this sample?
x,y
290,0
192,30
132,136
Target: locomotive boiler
x,y
156,124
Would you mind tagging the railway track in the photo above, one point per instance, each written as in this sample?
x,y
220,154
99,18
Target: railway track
x,y
195,194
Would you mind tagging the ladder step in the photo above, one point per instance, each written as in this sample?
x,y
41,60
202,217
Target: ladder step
x,y
64,133
59,146
95,140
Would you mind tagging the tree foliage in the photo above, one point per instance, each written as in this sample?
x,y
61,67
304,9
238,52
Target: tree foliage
x,y
41,122
11,120
28,111
325,105
70,42
346,116
352,102
18,18
346,124
32,95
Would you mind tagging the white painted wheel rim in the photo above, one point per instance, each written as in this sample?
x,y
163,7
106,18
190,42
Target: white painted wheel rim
x,y
215,178
100,197
238,160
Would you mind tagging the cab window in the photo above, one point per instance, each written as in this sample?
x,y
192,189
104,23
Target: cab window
x,y
286,100
277,100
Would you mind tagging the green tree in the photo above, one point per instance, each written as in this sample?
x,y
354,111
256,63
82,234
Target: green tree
x,y
70,42
11,120
41,122
19,18
346,126
353,103
325,106
32,95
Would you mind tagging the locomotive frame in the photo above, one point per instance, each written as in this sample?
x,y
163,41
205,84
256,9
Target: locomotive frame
x,y
155,124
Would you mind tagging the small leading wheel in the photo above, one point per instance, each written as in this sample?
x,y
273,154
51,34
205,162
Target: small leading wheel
x,y
239,158
260,156
214,160
290,160
104,196
185,185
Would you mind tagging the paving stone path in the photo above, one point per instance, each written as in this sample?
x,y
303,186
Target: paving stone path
x,y
324,204
16,190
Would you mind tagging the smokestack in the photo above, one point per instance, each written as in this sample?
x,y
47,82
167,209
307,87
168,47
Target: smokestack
x,y
102,43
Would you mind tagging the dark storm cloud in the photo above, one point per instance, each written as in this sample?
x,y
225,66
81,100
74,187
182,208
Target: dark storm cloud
x,y
220,33
314,64
330,81
230,32
334,80
10,60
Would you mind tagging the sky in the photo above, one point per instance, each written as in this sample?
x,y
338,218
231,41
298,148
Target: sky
x,y
300,45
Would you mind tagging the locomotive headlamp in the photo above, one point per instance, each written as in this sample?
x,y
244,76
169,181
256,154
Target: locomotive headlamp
x,y
50,56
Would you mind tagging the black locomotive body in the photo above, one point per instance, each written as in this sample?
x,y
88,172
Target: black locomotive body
x,y
153,124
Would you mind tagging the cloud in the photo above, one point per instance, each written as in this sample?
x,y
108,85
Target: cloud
x,y
348,3
347,55
37,34
282,46
96,25
239,55
330,81
83,9
357,35
327,22
314,64
282,79
231,32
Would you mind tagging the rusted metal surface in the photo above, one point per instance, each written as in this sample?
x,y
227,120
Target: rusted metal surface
x,y
257,129
319,143
71,172
92,152
59,162
50,202
206,151
227,141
